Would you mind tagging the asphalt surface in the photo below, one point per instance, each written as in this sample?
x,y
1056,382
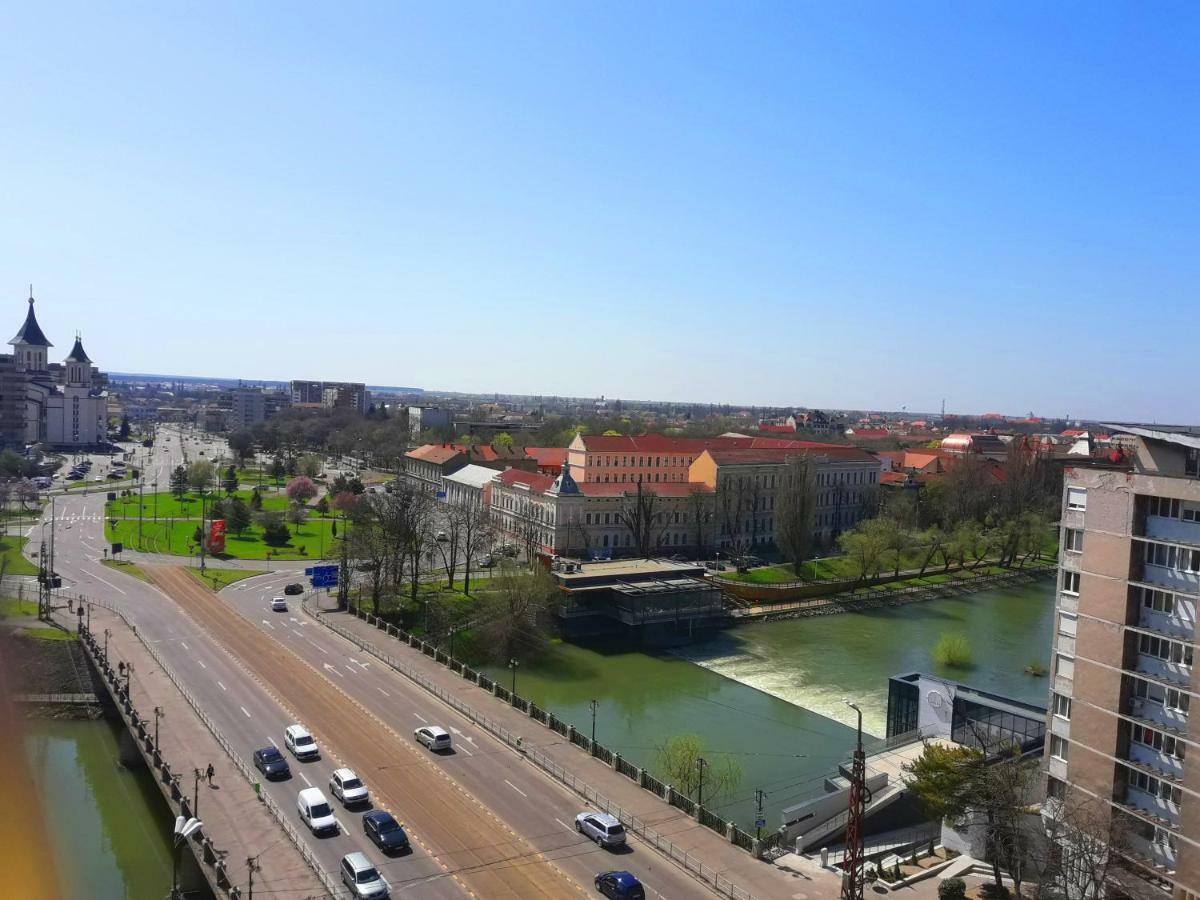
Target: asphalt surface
x,y
483,821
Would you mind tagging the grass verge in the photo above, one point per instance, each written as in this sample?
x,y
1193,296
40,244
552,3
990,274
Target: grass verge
x,y
221,578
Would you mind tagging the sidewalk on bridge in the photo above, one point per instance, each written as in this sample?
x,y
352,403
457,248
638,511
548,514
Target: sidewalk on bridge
x,y
234,818
763,880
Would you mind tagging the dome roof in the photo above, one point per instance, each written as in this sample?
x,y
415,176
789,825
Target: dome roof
x,y
564,483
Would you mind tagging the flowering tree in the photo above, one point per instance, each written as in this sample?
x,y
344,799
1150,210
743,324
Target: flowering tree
x,y
301,489
344,502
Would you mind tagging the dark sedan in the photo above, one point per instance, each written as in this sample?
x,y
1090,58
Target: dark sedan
x,y
384,831
294,588
271,763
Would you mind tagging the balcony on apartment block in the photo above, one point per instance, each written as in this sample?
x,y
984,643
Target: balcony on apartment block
x,y
1169,768
1177,619
1154,713
1162,812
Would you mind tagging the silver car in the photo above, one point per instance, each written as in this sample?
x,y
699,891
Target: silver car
x,y
605,830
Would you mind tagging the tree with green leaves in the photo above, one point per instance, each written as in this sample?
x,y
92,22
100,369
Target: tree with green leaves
x,y
278,469
123,433
256,500
681,760
275,532
200,475
296,514
865,546
241,442
179,482
503,439
229,481
237,515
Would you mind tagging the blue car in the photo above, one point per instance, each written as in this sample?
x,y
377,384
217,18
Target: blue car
x,y
384,831
620,886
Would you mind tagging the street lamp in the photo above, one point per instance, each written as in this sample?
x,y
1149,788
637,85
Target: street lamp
x,y
595,704
106,634
157,715
184,829
512,664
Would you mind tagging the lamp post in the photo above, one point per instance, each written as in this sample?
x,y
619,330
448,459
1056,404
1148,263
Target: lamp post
x,y
184,829
852,881
157,715
512,664
106,634
595,704
701,762
197,774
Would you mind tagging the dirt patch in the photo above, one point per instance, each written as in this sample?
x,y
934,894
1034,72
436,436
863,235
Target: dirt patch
x,y
35,666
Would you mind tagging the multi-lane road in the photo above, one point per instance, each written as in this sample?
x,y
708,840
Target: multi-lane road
x,y
484,822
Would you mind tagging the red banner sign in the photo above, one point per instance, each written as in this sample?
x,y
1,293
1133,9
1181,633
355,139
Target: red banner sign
x,y
216,536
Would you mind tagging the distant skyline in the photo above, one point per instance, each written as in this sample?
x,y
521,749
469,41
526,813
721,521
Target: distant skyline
x,y
874,206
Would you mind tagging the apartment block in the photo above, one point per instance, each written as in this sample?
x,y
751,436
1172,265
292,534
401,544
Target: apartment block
x,y
1119,723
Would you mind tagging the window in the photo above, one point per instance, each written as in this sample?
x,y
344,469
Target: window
x,y
1190,513
1163,506
1058,747
1062,706
1157,740
1071,583
1067,624
1153,786
1170,651
1064,667
1176,700
1076,498
1159,601
1191,463
1073,540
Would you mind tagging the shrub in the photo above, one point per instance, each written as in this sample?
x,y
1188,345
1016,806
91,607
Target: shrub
x,y
952,889
1036,669
953,651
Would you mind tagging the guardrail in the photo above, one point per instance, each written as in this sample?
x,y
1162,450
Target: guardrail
x,y
332,885
691,862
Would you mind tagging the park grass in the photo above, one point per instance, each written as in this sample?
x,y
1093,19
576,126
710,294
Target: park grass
x,y
50,634
128,568
10,555
12,608
166,504
175,537
216,578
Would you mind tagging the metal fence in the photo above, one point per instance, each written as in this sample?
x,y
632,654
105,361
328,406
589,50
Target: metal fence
x,y
332,885
690,861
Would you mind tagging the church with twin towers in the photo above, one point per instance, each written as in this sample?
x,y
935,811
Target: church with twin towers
x,y
56,404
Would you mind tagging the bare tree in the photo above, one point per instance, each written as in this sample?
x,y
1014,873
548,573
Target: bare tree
x,y
737,498
449,548
796,510
477,534
700,515
641,512
516,612
1087,841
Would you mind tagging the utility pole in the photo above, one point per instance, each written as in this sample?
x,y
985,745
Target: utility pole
x,y
140,545
852,865
759,821
251,867
196,791
157,715
52,530
512,664
701,762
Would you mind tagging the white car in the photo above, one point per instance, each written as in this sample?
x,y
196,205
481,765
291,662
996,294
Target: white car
x,y
302,744
362,878
605,830
433,736
279,604
315,811
348,787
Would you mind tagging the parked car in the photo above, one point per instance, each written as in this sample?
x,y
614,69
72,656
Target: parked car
x,y
362,878
294,588
74,476
433,736
348,787
315,811
302,744
620,886
442,537
271,763
279,604
605,830
384,831
487,562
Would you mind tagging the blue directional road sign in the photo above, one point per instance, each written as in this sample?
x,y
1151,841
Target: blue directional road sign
x,y
322,576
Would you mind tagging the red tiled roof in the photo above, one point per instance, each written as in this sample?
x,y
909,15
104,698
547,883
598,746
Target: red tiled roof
x,y
485,452
659,489
436,453
758,456
871,433
548,456
658,443
777,429
536,482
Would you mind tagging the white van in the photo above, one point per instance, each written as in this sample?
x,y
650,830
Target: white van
x,y
302,744
315,811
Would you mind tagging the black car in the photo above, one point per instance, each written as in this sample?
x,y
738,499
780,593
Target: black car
x,y
271,763
294,588
384,831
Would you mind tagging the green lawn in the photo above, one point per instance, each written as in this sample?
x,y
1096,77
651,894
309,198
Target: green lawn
x,y
168,505
127,567
221,578
175,537
50,634
15,563
12,608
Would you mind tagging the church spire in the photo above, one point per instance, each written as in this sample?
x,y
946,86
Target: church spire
x,y
31,333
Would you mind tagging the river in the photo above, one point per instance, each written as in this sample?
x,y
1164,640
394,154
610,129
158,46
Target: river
x,y
769,694
108,825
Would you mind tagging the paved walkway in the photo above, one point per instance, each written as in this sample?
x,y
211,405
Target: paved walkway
x,y
761,879
234,818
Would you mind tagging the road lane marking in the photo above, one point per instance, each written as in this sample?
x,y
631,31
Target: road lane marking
x,y
382,691
109,583
421,717
329,668
272,741
184,645
517,789
564,824
298,633
306,781
318,646
461,749
221,686
350,670
202,665
243,709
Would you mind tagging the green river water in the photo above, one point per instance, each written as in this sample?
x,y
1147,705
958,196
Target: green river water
x,y
770,693
107,825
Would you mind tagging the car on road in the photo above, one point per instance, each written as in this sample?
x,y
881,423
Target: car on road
x,y
487,562
605,830
74,476
271,763
442,537
315,811
348,787
362,878
279,604
294,588
384,831
302,744
620,886
435,737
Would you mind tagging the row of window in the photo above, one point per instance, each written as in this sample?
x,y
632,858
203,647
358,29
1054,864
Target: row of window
x,y
1181,559
1171,699
1159,601
1172,508
1155,787
643,462
1165,649
1073,540
1166,744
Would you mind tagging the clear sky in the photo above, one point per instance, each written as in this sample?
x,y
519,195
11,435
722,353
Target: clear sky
x,y
829,204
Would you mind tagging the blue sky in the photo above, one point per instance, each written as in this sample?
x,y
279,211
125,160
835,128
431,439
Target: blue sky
x,y
837,204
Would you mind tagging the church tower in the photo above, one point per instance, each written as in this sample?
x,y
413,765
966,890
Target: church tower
x,y
78,366
30,344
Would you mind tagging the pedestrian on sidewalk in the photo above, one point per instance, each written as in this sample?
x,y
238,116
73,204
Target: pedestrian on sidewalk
x,y
210,772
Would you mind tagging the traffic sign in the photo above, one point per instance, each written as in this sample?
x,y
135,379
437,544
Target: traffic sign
x,y
760,823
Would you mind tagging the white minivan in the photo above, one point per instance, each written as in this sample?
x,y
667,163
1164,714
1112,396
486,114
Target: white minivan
x,y
315,811
433,736
361,877
302,744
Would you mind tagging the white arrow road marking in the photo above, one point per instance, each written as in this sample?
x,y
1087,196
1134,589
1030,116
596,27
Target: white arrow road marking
x,y
268,624
330,668
464,736
515,788
357,663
